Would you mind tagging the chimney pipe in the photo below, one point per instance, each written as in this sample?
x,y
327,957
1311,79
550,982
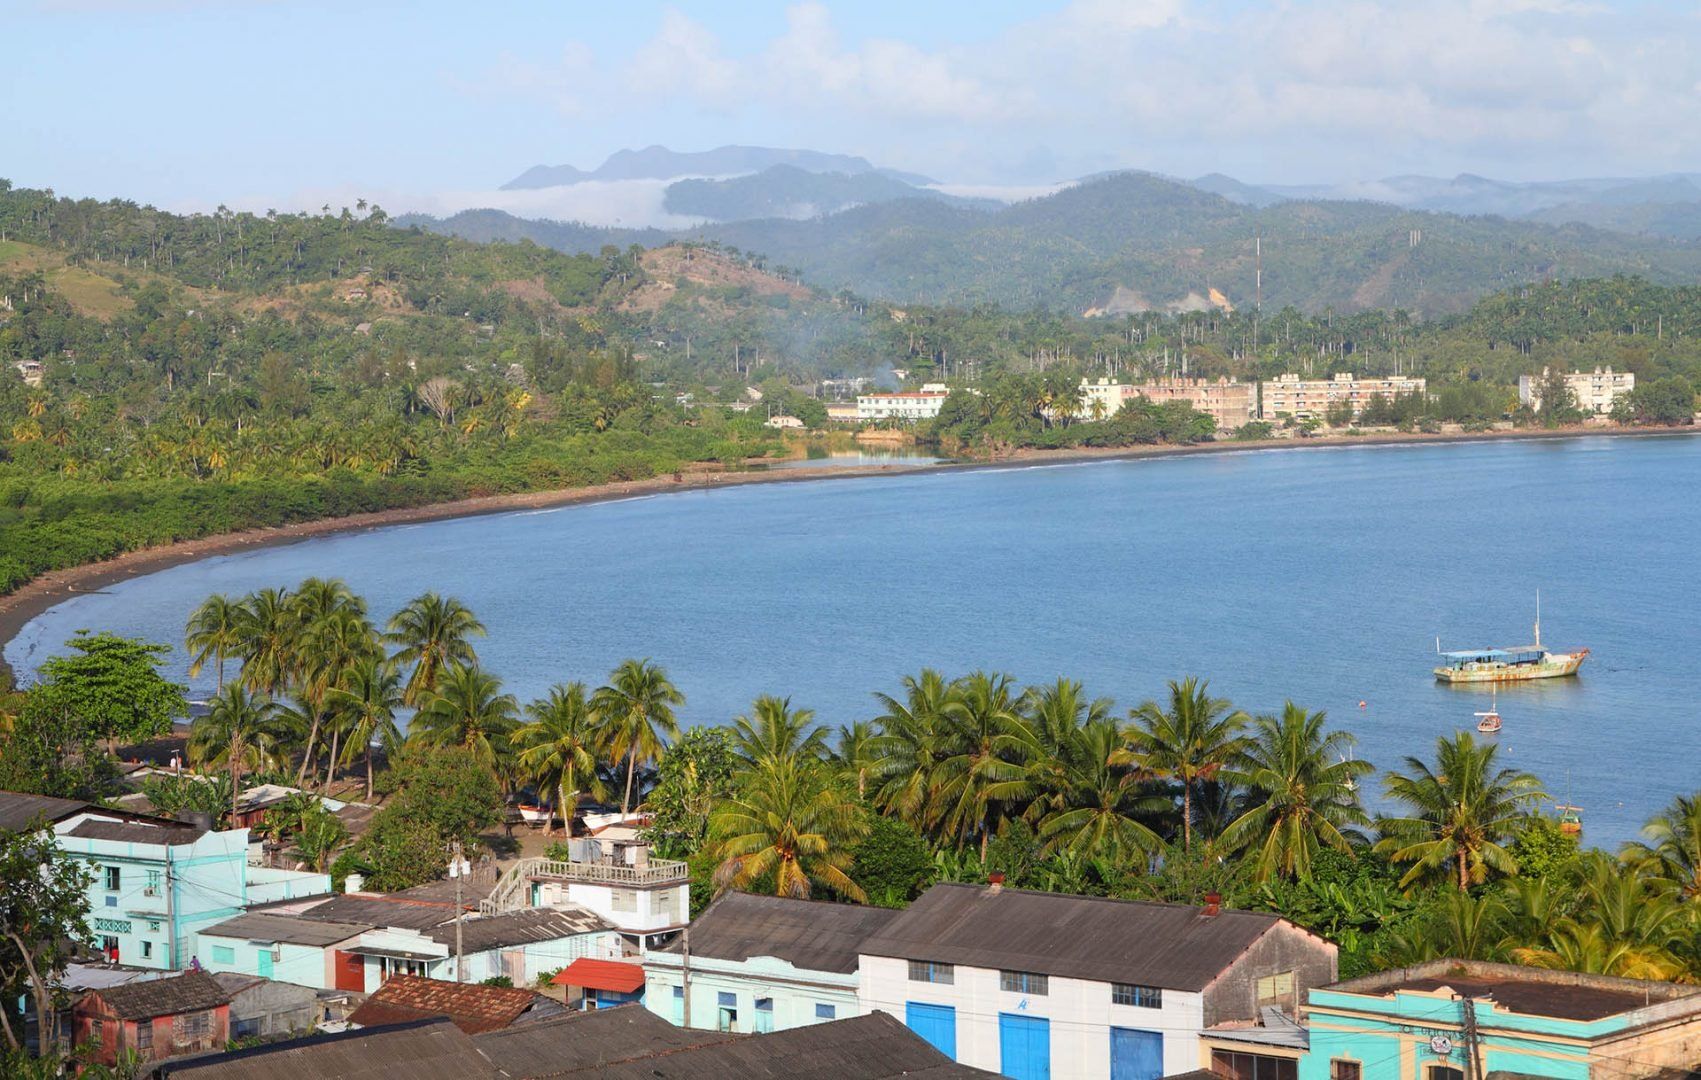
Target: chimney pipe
x,y
1213,904
995,882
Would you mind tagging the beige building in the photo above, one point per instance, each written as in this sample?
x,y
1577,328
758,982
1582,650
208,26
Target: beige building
x,y
923,404
1229,402
1597,391
1290,395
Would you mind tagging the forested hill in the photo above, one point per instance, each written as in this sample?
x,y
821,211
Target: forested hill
x,y
1132,241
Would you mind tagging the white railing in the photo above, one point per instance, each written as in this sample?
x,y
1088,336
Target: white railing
x,y
513,889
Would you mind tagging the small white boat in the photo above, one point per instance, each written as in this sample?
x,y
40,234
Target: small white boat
x,y
536,816
1489,722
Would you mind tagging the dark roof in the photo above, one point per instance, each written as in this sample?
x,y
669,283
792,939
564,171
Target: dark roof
x,y
1206,1074
136,832
410,915
193,991
474,887
872,1047
584,1040
290,929
1566,995
473,1007
19,811
433,1050
811,934
1172,946
522,927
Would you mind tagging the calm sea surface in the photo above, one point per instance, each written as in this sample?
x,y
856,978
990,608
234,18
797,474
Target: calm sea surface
x,y
1323,576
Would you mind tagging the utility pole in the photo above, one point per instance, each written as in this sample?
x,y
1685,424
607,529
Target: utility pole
x,y
455,872
685,973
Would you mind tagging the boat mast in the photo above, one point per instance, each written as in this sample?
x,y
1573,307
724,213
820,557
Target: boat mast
x,y
1538,618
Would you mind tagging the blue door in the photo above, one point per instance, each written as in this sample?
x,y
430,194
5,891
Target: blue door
x,y
1135,1054
265,963
935,1023
1024,1047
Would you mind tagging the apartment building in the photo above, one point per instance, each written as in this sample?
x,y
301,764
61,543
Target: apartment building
x,y
1596,391
1229,402
1303,399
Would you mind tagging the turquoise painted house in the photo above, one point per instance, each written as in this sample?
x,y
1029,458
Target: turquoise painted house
x,y
156,882
1463,1020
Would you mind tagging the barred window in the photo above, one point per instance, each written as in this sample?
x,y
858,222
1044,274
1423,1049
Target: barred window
x,y
1022,982
1143,997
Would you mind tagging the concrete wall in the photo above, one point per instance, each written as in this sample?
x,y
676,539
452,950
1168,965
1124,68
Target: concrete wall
x,y
267,884
1234,993
1081,1014
524,963
305,965
273,1008
795,992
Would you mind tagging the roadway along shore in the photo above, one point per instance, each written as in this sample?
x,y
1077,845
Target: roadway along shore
x,y
20,606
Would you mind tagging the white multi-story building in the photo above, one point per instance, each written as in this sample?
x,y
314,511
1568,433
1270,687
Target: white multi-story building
x,y
1302,399
1229,402
648,900
923,404
1596,391
1034,984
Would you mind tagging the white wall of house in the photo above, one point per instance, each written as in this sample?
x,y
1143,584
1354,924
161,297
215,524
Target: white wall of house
x,y
633,910
304,965
524,963
798,996
267,884
1080,1012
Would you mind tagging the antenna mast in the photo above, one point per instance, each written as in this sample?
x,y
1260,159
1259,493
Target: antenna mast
x,y
1538,618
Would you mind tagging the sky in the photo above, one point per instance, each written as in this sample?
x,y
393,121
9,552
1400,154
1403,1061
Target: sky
x,y
432,105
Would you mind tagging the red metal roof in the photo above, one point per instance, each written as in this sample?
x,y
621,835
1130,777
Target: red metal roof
x,y
612,975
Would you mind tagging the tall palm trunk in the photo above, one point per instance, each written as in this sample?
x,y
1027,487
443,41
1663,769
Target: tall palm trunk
x,y
307,755
631,770
561,806
369,770
1187,816
235,774
1464,870
331,769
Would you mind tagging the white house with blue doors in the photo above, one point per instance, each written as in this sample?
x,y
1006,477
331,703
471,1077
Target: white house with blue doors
x,y
762,963
1035,985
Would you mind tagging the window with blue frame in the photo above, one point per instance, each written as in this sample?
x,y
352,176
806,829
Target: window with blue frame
x,y
932,972
764,1015
1023,982
726,1011
1144,997
823,1011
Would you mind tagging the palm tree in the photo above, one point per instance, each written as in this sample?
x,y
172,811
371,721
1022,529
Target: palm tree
x,y
910,746
1670,849
432,632
561,747
214,632
1191,741
1096,808
268,639
235,732
468,709
855,755
333,641
1458,813
774,730
369,696
1304,790
986,752
637,707
789,820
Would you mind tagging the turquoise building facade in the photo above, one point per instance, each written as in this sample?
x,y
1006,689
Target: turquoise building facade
x,y
1454,1020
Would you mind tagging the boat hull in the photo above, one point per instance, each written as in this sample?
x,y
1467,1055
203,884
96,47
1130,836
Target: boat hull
x,y
1553,666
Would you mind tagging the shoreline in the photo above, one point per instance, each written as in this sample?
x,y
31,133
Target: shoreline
x,y
18,608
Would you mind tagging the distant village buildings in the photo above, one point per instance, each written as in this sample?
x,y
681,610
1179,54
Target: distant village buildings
x,y
1229,402
911,406
1304,399
1596,391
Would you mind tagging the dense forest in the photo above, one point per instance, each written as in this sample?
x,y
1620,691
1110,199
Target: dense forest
x,y
171,376
1134,241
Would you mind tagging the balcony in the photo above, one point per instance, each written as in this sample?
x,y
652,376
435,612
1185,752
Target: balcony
x,y
656,872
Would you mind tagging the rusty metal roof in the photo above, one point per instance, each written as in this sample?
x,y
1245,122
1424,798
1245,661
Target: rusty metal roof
x,y
812,934
379,911
1173,946
193,991
473,1007
435,1050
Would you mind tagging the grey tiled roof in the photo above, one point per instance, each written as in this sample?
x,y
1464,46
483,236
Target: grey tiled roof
x,y
193,991
289,929
812,934
521,927
19,811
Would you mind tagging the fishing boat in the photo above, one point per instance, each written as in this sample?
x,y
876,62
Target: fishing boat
x,y
1515,664
1570,819
536,815
1489,722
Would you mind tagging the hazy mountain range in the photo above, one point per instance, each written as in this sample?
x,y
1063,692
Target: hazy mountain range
x,y
1129,241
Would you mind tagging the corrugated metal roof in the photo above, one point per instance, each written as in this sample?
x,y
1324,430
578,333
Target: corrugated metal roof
x,y
616,975
1172,946
410,915
522,927
20,811
169,833
192,991
812,934
872,1047
436,1050
289,929
473,1007
585,1040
